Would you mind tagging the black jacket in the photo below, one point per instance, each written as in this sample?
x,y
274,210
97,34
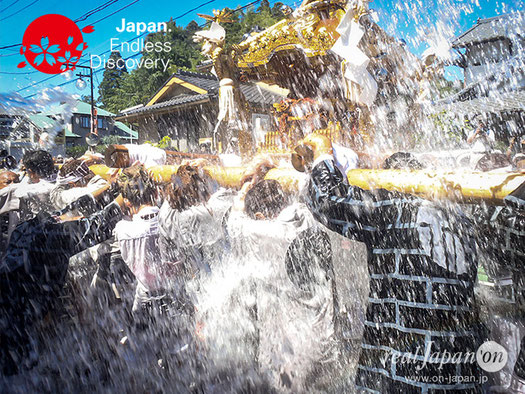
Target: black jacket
x,y
422,270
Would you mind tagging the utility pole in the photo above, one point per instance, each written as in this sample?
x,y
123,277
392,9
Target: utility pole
x,y
93,135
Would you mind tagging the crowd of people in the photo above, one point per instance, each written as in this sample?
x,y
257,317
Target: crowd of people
x,y
253,273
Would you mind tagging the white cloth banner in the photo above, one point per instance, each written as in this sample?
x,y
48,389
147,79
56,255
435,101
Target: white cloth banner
x,y
227,105
355,60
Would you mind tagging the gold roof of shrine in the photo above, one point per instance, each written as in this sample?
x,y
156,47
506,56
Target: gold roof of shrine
x,y
311,29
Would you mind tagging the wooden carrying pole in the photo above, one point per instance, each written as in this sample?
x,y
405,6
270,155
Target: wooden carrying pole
x,y
116,156
461,186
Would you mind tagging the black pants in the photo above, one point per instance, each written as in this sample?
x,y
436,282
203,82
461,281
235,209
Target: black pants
x,y
33,273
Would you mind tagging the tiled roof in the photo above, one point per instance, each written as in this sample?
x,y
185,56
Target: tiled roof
x,y
508,25
131,108
44,123
179,100
204,81
257,95
81,108
254,94
126,130
498,102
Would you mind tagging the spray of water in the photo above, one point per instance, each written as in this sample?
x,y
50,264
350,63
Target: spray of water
x,y
95,343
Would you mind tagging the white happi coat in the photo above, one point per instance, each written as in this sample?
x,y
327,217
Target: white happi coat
x,y
296,327
138,239
61,196
9,215
35,197
194,236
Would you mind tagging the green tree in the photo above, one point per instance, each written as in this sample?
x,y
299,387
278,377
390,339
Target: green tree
x,y
264,6
110,140
246,22
137,86
277,10
87,99
112,82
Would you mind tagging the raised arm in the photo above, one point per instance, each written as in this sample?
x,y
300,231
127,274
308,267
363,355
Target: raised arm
x,y
349,210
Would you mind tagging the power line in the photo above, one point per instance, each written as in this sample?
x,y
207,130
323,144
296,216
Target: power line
x,y
195,9
37,82
10,46
94,73
95,10
8,73
107,4
234,11
100,54
83,17
10,5
19,11
114,12
177,17
141,35
56,75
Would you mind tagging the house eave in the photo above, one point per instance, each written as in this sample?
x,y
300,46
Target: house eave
x,y
146,112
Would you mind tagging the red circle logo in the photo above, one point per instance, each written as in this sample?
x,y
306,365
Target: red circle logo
x,y
53,44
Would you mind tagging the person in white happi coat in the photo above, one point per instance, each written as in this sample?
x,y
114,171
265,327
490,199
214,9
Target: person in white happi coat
x,y
291,264
76,180
9,205
22,199
34,188
191,221
138,238
192,239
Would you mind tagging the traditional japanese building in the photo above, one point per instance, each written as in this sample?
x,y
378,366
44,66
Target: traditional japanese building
x,y
79,125
20,132
493,49
185,108
492,58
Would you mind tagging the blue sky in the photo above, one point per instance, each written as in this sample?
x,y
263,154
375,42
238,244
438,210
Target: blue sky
x,y
412,20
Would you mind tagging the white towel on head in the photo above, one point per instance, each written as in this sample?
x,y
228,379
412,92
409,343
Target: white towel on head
x,y
146,154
